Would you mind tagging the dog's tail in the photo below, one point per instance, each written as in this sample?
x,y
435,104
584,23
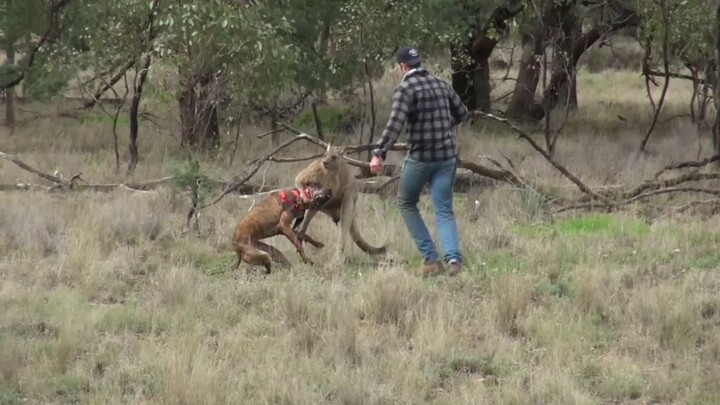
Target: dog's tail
x,y
362,244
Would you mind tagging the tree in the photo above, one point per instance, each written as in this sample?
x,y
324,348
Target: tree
x,y
20,22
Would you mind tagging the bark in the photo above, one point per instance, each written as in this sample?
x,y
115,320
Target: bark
x,y
198,113
563,61
138,87
10,93
626,18
324,39
481,84
470,64
716,127
461,77
134,109
522,103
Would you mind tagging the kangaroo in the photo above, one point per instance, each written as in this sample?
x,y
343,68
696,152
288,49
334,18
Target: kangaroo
x,y
333,174
272,216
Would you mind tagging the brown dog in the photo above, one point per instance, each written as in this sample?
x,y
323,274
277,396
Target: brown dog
x,y
272,216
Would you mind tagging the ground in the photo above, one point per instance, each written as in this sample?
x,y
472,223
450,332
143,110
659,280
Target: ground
x,y
103,299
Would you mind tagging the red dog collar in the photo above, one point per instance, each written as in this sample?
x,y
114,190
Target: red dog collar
x,y
297,207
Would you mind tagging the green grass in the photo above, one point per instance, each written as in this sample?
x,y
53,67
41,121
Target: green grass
x,y
588,225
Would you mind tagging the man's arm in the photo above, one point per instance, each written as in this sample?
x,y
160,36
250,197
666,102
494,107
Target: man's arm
x,y
398,114
459,111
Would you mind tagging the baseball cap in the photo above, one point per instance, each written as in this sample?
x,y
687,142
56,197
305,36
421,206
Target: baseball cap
x,y
409,55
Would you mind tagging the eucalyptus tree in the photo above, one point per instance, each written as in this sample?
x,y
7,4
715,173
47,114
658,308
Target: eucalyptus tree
x,y
679,35
26,27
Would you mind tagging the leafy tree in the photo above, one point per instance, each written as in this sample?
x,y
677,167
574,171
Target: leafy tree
x,y
20,24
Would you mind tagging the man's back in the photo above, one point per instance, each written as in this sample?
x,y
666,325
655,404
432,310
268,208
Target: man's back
x,y
431,109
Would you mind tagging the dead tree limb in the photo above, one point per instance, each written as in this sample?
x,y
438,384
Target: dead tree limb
x,y
54,179
689,164
670,190
523,135
672,182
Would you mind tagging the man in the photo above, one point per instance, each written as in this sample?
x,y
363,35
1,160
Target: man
x,y
431,108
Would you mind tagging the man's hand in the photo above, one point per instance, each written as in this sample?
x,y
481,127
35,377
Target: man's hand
x,y
375,164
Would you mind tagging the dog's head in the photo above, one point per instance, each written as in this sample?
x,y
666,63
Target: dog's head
x,y
331,158
320,198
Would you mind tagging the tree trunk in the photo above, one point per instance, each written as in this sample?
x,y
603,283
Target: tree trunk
x,y
563,64
481,84
275,136
462,77
198,113
627,18
471,76
134,109
470,59
716,127
10,93
522,103
323,51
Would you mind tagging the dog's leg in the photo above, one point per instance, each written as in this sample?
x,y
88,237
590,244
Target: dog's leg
x,y
290,234
237,264
275,254
297,221
309,215
303,237
254,256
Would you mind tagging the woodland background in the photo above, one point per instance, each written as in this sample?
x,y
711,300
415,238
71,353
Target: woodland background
x,y
137,132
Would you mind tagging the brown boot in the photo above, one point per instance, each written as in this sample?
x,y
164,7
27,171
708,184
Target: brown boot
x,y
454,268
430,269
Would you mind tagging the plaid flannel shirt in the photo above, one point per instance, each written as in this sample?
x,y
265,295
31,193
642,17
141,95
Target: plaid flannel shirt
x,y
431,109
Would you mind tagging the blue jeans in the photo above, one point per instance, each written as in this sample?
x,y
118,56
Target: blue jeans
x,y
439,176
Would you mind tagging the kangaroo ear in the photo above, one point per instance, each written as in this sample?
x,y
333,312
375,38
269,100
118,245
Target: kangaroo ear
x,y
328,148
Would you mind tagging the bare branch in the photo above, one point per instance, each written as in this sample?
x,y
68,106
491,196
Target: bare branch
x,y
257,163
521,134
666,66
688,164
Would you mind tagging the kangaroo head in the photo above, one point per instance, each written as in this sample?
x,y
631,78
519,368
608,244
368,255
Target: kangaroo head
x,y
331,158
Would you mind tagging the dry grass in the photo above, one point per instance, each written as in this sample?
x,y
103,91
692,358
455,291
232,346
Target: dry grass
x,y
104,300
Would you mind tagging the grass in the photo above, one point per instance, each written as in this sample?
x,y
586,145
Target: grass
x,y
104,299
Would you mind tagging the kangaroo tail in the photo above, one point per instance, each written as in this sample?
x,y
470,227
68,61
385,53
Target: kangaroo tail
x,y
364,246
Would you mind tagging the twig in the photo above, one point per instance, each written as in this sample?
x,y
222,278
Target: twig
x,y
666,65
291,160
270,132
